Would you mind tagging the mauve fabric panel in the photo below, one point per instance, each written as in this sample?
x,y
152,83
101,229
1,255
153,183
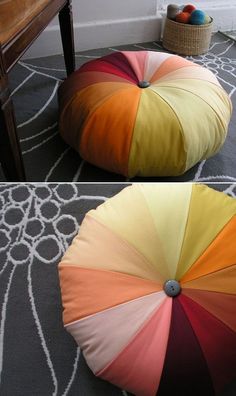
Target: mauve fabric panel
x,y
120,61
218,342
185,371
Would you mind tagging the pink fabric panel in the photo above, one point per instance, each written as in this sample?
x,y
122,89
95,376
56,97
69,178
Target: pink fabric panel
x,y
137,60
139,366
103,335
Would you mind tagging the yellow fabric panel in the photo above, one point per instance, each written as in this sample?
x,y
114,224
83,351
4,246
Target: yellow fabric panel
x,y
162,140
209,211
82,105
213,96
203,133
128,216
169,207
221,281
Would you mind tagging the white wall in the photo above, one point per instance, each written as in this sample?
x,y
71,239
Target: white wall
x,y
103,23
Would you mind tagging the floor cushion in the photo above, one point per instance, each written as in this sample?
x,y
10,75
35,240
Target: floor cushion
x,y
144,113
149,289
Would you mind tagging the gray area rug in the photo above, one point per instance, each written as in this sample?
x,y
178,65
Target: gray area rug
x,y
34,85
230,34
37,356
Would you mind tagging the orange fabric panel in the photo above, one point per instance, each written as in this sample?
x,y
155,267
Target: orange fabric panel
x,y
220,281
87,291
171,64
221,253
79,80
107,135
81,106
223,306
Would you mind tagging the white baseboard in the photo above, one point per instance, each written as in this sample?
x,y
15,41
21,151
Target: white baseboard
x,y
118,32
98,35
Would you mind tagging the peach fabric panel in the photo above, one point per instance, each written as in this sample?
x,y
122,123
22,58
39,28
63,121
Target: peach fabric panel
x,y
209,211
137,61
82,105
220,254
128,216
223,306
87,291
108,132
84,79
139,366
220,281
170,65
103,335
153,62
190,72
112,252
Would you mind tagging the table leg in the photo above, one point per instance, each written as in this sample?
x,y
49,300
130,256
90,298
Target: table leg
x,y
67,35
10,152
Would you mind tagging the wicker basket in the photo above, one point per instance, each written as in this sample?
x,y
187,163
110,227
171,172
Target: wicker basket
x,y
186,39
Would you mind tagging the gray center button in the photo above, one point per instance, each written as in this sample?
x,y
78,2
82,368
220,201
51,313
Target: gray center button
x,y
172,288
144,84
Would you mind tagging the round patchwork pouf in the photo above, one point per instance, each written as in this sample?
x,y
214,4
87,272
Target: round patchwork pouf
x,y
149,290
144,113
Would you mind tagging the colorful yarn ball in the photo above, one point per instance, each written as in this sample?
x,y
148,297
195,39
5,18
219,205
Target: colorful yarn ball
x,y
197,17
183,17
189,8
172,11
207,19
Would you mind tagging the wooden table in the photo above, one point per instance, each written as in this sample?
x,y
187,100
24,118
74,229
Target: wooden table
x,y
21,22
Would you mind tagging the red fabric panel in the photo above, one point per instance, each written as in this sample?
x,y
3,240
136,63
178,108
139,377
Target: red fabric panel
x,y
115,63
218,342
185,370
220,305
